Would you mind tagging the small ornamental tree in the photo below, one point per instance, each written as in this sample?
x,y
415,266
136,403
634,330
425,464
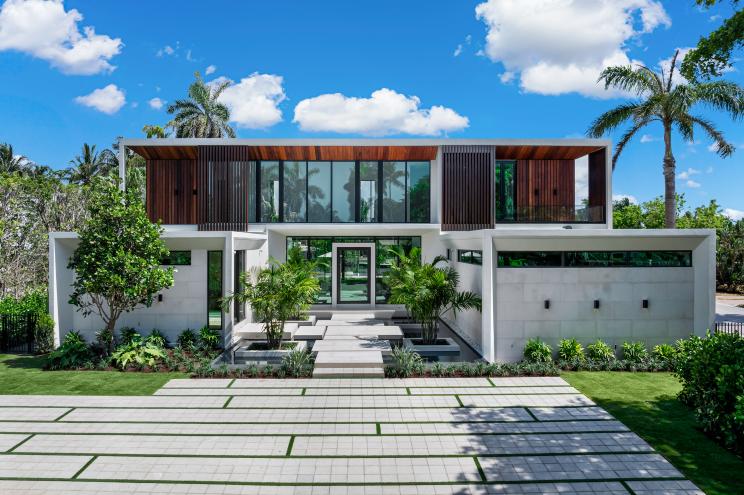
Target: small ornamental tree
x,y
117,262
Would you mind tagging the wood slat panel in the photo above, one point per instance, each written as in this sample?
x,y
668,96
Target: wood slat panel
x,y
170,190
223,173
545,190
320,153
542,152
467,187
598,184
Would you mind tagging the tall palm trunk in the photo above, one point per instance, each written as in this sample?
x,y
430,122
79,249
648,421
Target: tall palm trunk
x,y
670,192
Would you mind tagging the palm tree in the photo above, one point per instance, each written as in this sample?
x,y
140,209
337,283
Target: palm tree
x,y
10,162
201,115
661,100
155,131
90,164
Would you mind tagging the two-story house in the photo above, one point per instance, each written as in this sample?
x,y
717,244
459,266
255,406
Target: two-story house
x,y
527,224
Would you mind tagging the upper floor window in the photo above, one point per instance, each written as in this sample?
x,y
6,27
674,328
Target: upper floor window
x,y
177,258
470,256
342,192
582,259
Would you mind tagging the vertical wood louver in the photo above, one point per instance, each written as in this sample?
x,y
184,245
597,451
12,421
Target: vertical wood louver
x,y
170,191
546,190
598,184
467,187
223,185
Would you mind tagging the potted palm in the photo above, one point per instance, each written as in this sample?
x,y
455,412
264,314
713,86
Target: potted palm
x,y
428,291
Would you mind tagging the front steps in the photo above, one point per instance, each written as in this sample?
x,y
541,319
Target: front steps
x,y
357,363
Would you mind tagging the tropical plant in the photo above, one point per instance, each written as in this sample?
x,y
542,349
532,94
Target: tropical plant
x,y
201,115
156,338
11,163
44,334
127,335
275,293
209,338
537,351
714,53
664,352
137,352
600,352
117,261
406,362
155,131
298,363
427,290
570,350
89,164
187,339
634,352
105,340
661,100
73,353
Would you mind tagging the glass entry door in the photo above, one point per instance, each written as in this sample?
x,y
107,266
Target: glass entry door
x,y
354,265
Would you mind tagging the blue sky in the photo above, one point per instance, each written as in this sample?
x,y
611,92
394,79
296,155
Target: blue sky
x,y
465,69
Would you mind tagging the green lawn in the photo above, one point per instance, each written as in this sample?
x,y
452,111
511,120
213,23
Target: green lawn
x,y
647,404
23,375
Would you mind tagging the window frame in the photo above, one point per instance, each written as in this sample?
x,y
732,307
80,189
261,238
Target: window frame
x,y
167,261
469,256
685,256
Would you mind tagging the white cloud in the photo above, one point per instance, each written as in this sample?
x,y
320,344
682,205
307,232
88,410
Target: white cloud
x,y
42,29
254,101
458,50
666,63
561,46
733,214
581,179
692,184
156,103
686,174
620,197
507,77
384,112
709,170
166,50
713,148
188,56
107,100
210,70
648,138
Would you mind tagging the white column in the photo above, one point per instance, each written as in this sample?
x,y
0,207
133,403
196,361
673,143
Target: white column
x,y
488,294
122,165
228,283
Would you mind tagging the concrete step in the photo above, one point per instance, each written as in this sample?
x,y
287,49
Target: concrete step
x,y
354,359
378,372
352,345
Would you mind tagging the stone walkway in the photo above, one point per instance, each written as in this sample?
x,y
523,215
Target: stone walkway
x,y
328,436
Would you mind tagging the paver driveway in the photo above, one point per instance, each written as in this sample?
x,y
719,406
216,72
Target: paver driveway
x,y
328,436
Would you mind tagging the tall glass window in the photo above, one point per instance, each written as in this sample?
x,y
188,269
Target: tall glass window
x,y
295,191
269,192
394,192
239,269
214,289
319,192
344,191
505,191
252,177
418,192
368,175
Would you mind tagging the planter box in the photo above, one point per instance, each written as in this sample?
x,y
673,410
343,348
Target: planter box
x,y
449,350
411,330
274,356
309,322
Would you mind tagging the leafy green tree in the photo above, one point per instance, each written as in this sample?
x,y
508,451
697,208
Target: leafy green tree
x,y
713,53
730,257
427,290
626,215
90,164
660,100
201,115
117,261
10,162
155,131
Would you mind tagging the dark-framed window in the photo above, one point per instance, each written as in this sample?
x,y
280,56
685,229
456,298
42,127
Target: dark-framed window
x,y
177,258
238,270
470,256
594,259
214,289
505,190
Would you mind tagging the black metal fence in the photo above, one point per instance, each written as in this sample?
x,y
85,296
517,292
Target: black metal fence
x,y
730,327
17,333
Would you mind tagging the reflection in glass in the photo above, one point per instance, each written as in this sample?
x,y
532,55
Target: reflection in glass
x,y
368,192
252,167
344,188
353,275
269,191
214,289
505,190
295,191
393,191
319,250
418,192
319,192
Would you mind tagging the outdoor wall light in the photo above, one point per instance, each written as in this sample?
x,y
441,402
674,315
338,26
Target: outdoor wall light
x,y
644,304
160,297
596,304
547,304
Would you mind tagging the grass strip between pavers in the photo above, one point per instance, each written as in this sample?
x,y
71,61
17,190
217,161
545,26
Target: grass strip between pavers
x,y
478,466
64,414
459,400
628,488
227,402
322,422
289,447
198,408
85,466
229,384
10,450
535,417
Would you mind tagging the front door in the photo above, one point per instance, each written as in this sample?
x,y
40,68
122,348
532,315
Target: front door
x,y
354,275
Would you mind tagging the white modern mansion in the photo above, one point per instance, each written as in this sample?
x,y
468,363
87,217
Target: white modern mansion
x,y
526,223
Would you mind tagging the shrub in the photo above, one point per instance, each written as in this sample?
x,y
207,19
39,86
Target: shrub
x,y
104,341
44,334
537,351
209,338
711,371
137,352
73,353
127,335
664,352
570,350
406,362
599,351
634,352
187,339
298,363
156,338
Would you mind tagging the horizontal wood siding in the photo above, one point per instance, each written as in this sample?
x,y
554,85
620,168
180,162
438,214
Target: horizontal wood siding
x,y
318,153
545,190
170,191
467,187
223,173
598,184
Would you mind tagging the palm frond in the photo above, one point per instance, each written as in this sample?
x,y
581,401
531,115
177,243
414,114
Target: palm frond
x,y
612,119
628,79
724,147
626,138
722,95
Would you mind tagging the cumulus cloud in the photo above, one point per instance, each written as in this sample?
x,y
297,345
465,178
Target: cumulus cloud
x,y
733,214
107,100
42,29
254,101
648,138
686,174
561,46
620,197
210,70
461,46
384,112
156,103
692,184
